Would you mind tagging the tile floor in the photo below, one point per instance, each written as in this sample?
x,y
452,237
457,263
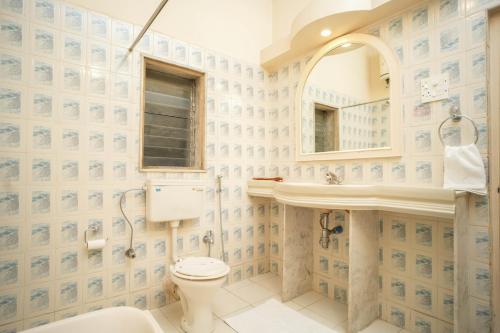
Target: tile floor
x,y
243,295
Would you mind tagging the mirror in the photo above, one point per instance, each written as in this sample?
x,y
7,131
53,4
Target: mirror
x,y
346,99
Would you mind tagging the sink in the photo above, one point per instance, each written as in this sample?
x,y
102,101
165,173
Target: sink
x,y
322,186
325,189
404,199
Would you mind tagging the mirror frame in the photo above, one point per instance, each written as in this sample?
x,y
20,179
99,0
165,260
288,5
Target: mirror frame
x,y
392,62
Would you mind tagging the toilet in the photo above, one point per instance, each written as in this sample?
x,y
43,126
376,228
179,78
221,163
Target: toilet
x,y
197,278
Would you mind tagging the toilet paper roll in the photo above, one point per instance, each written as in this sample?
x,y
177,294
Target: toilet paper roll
x,y
96,244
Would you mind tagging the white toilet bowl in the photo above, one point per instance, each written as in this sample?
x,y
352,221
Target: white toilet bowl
x,y
198,280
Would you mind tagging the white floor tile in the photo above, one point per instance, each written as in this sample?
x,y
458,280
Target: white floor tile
x,y
335,312
273,284
293,305
253,293
380,326
238,285
308,298
173,313
222,327
236,312
261,277
341,328
162,321
274,296
320,319
242,296
226,303
171,309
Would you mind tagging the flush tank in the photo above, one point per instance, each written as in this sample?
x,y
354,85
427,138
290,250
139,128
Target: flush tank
x,y
174,200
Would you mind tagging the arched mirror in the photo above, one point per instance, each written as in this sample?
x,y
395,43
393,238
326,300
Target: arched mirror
x,y
348,101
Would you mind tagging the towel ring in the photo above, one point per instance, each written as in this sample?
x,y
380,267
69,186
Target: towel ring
x,y
455,116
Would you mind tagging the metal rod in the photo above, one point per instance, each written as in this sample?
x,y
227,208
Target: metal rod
x,y
148,23
365,103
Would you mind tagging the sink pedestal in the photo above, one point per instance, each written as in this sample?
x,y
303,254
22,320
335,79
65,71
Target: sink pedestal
x,y
363,304
297,252
369,237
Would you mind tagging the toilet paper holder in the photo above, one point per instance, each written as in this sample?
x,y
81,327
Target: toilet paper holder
x,y
93,229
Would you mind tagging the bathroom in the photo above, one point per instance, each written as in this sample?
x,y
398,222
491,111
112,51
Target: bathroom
x,y
282,214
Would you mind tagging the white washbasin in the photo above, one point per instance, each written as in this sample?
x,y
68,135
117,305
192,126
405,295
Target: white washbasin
x,y
322,186
405,199
326,190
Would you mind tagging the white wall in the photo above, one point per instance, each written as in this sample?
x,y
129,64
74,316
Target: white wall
x,y
353,73
284,12
239,28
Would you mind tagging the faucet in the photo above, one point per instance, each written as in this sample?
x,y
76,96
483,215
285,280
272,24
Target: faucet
x,y
209,240
333,179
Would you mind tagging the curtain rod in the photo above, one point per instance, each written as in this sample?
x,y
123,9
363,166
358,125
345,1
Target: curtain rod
x,y
148,23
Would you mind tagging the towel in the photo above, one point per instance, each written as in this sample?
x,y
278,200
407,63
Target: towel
x,y
464,169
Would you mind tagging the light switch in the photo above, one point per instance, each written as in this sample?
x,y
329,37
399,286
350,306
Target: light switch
x,y
434,88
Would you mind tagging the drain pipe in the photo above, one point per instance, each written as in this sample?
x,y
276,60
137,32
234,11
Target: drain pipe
x,y
324,240
174,225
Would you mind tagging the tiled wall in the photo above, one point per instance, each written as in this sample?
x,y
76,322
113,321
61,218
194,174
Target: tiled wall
x,y
416,272
69,144
433,37
69,129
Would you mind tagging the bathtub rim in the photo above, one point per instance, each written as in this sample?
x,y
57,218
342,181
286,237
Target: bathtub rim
x,y
58,323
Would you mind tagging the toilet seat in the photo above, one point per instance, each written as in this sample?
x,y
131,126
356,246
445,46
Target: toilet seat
x,y
200,268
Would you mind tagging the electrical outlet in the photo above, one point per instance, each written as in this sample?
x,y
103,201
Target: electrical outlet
x,y
434,88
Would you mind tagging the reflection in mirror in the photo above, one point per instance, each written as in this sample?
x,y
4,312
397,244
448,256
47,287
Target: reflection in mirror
x,y
345,101
326,128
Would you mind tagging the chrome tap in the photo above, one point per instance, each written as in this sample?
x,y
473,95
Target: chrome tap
x,y
209,239
333,179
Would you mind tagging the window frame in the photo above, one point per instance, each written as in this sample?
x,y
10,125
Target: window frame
x,y
199,77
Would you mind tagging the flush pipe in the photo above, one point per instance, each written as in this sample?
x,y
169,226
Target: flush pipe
x,y
324,240
174,225
219,191
173,235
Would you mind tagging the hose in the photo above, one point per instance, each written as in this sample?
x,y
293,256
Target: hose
x,y
130,251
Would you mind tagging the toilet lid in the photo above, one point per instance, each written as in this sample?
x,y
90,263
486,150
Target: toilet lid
x,y
201,267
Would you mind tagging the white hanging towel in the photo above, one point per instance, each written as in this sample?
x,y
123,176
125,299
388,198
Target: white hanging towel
x,y
464,169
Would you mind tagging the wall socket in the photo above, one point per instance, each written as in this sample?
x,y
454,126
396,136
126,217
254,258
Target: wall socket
x,y
434,88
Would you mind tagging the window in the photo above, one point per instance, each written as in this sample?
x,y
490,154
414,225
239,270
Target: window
x,y
172,117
